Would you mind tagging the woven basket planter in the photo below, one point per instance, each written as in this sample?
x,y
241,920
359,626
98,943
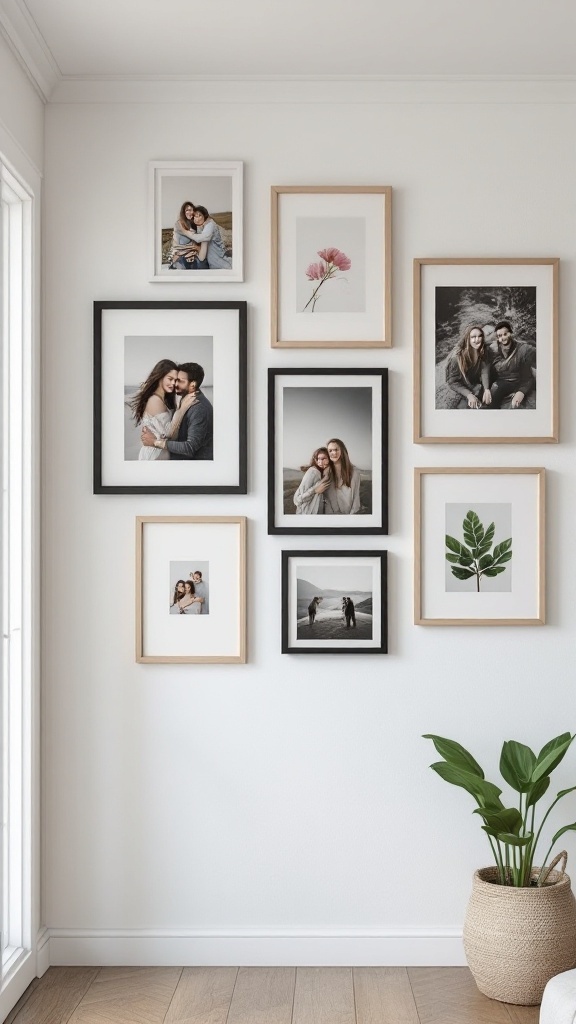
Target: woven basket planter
x,y
517,939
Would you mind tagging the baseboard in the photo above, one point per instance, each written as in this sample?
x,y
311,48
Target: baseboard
x,y
69,947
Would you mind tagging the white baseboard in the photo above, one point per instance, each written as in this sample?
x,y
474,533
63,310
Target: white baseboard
x,y
69,947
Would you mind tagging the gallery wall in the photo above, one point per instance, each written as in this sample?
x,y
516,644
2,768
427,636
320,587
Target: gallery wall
x,y
283,811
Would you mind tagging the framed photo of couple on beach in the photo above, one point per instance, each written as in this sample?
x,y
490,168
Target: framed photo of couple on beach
x,y
334,602
191,589
331,266
485,351
196,221
328,451
479,547
170,398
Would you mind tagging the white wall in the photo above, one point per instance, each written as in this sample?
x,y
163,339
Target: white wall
x,y
21,115
283,811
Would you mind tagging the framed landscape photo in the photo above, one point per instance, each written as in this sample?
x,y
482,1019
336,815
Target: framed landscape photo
x,y
334,602
328,451
195,221
191,589
486,351
479,547
170,398
331,266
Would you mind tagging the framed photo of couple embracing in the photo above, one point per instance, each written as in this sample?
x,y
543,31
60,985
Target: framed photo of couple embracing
x,y
170,398
328,451
486,351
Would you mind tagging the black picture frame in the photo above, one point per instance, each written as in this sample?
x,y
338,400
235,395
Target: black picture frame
x,y
291,523
332,644
234,481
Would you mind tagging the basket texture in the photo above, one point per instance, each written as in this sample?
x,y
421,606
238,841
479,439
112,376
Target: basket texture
x,y
517,939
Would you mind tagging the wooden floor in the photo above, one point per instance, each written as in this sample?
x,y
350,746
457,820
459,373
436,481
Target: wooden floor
x,y
262,995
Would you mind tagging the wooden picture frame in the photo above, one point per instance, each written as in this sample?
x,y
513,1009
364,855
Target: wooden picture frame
x,y
331,266
191,589
479,546
130,340
314,410
334,602
480,327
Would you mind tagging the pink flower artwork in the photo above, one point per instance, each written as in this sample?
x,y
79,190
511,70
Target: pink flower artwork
x,y
334,260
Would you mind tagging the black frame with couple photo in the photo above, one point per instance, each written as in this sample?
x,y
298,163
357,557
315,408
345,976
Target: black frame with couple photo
x,y
169,381
328,451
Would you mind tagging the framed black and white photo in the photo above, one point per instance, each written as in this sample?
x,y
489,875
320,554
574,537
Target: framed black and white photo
x,y
334,602
191,589
486,351
479,547
331,266
170,398
328,451
196,221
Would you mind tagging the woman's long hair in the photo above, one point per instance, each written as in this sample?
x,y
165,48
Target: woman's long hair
x,y
314,461
191,587
466,355
188,224
177,596
345,463
138,402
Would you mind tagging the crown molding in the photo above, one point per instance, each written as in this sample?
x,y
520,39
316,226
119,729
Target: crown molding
x,y
320,90
29,46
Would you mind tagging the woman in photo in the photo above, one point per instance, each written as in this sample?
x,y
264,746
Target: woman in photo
x,y
189,604
206,230
179,591
468,370
342,497
185,253
153,406
309,498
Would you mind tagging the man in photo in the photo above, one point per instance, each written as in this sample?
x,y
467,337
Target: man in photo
x,y
201,590
191,429
514,369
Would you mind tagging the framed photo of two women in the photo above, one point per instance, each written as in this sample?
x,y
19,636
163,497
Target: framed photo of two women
x,y
486,351
328,451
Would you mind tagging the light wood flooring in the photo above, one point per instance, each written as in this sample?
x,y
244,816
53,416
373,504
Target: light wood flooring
x,y
262,995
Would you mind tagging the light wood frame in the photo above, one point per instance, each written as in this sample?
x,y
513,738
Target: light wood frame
x,y
419,436
540,618
241,656
345,190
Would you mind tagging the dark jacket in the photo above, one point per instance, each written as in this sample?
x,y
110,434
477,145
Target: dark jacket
x,y
195,436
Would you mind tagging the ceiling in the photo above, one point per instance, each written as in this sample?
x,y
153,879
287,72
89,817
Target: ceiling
x,y
308,38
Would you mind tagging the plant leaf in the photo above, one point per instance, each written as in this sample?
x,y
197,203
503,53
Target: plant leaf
x,y
561,831
503,558
550,756
455,754
506,819
512,840
489,535
453,544
504,545
537,790
452,558
485,562
564,792
462,574
485,793
516,765
495,570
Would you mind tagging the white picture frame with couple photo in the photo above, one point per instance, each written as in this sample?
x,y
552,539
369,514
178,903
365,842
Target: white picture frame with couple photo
x,y
146,356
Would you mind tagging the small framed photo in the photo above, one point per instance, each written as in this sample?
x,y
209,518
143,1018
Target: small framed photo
x,y
485,351
331,266
334,602
479,547
196,221
328,451
191,589
170,398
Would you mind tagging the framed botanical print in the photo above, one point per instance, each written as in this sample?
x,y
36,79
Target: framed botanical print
x,y
479,547
191,589
334,602
196,221
328,451
485,351
170,398
331,266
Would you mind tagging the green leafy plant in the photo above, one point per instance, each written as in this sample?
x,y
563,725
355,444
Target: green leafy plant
x,y
512,831
473,558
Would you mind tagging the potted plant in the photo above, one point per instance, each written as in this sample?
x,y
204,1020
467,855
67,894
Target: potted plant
x,y
520,927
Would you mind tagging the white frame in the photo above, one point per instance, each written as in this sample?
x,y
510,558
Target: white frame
x,y
160,169
524,490
164,539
